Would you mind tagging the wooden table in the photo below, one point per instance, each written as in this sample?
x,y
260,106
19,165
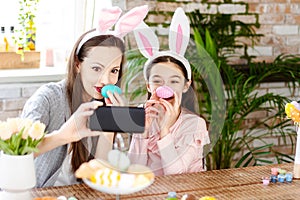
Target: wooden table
x,y
239,183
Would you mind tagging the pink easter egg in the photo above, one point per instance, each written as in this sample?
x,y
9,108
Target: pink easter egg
x,y
296,104
164,92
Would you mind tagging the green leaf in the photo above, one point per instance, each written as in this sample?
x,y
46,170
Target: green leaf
x,y
210,46
198,40
28,150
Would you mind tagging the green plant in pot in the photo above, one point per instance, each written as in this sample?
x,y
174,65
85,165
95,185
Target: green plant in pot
x,y
243,99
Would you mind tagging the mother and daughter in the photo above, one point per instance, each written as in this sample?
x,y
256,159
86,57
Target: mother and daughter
x,y
174,137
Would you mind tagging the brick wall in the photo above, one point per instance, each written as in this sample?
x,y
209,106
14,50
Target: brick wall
x,y
285,147
13,98
279,20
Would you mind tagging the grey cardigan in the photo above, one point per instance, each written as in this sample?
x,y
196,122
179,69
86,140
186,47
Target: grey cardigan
x,y
49,104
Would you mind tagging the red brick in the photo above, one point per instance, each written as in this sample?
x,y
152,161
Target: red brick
x,y
273,8
133,3
285,149
253,8
285,49
213,1
8,114
236,61
264,29
271,39
293,40
257,115
295,8
267,59
292,19
167,6
274,1
247,19
244,40
14,104
157,18
271,19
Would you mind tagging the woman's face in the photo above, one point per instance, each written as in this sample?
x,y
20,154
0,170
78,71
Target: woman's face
x,y
99,68
168,74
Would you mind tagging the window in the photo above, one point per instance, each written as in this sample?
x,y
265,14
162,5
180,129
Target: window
x,y
59,23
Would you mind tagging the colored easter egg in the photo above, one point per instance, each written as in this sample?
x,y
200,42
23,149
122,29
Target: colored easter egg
x,y
118,159
296,104
288,108
111,88
164,92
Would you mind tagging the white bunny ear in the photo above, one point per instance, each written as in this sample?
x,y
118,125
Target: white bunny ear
x,y
131,20
146,40
107,18
179,33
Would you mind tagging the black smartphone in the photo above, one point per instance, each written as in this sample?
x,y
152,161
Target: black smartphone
x,y
118,119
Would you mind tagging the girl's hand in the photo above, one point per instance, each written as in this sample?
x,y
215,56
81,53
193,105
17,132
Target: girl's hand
x,y
75,127
168,116
151,113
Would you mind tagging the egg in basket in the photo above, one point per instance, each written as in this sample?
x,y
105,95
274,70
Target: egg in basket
x,y
115,176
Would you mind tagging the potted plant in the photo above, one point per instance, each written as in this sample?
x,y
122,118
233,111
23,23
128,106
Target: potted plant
x,y
19,139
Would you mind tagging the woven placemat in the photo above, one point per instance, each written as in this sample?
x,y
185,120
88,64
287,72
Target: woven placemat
x,y
242,183
276,191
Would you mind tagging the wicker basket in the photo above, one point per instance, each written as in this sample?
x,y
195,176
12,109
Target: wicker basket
x,y
12,60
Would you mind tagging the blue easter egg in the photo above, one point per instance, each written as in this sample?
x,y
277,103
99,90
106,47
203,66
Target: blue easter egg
x,y
111,88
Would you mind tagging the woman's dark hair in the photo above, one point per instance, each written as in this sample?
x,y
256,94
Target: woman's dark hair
x,y
188,98
75,88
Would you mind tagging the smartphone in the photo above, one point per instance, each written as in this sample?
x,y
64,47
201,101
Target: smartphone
x,y
118,119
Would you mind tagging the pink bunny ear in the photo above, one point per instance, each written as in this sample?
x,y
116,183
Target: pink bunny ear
x,y
146,40
130,20
179,34
107,18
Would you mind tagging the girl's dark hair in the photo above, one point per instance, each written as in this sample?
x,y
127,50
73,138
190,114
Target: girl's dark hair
x,y
164,59
75,88
188,98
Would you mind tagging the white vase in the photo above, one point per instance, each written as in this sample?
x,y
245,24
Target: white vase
x,y
17,176
297,155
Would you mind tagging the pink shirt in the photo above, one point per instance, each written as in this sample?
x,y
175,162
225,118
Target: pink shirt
x,y
181,151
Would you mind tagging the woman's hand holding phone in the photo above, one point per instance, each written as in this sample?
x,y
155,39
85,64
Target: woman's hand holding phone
x,y
75,127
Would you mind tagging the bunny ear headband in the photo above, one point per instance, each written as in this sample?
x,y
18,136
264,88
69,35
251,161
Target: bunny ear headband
x,y
179,35
110,16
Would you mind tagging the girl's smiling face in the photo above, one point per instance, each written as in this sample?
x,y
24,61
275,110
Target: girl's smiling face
x,y
101,67
169,74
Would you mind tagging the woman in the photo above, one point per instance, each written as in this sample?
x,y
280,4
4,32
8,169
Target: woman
x,y
96,60
174,136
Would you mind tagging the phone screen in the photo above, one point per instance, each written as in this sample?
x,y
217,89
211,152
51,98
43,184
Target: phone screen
x,y
118,119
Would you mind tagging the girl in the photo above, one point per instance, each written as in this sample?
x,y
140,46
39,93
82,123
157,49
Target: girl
x,y
174,137
96,60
